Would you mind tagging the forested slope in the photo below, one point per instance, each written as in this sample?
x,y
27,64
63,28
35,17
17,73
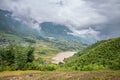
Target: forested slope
x,y
99,56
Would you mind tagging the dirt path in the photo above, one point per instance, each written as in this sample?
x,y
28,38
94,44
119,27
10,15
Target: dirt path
x,y
61,56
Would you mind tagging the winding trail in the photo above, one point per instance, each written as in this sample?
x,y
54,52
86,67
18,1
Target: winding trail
x,y
61,56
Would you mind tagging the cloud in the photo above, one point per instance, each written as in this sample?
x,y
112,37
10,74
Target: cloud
x,y
78,15
71,12
86,33
110,9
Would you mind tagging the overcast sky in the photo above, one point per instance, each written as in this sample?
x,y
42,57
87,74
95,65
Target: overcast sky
x,y
99,19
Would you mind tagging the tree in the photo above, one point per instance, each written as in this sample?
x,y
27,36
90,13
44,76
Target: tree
x,y
30,56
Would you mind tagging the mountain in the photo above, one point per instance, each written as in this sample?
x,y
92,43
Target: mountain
x,y
52,30
99,56
13,30
10,25
62,32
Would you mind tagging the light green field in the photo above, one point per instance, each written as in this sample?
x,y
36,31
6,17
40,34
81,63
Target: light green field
x,y
45,51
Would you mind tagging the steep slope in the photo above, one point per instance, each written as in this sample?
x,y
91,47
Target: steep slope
x,y
58,36
61,32
99,56
10,25
14,31
57,31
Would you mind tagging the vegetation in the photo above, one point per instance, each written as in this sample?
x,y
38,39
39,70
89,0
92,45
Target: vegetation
x,y
103,55
21,58
67,45
16,55
61,75
17,73
13,31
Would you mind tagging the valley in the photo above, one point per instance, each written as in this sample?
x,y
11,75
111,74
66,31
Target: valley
x,y
34,49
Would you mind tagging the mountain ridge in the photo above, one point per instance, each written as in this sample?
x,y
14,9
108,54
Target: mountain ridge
x,y
10,25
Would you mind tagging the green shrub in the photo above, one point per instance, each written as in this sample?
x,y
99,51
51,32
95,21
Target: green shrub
x,y
48,67
6,68
15,57
92,67
32,66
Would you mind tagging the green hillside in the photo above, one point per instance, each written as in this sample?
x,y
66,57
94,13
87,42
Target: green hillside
x,y
102,55
14,31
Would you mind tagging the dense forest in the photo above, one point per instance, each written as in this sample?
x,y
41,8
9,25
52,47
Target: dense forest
x,y
103,55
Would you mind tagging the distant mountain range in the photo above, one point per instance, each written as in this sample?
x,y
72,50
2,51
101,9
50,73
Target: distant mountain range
x,y
49,31
57,31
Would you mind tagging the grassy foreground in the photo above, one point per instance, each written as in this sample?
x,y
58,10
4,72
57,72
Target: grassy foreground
x,y
60,75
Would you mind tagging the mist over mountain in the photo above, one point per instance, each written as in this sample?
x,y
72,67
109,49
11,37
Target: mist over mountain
x,y
58,31
49,30
11,25
85,18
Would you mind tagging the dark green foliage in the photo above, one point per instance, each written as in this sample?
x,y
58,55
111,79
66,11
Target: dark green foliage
x,y
7,56
15,57
42,67
100,56
30,56
32,66
22,58
49,67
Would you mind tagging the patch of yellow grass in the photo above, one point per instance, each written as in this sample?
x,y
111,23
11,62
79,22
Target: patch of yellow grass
x,y
16,73
60,75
